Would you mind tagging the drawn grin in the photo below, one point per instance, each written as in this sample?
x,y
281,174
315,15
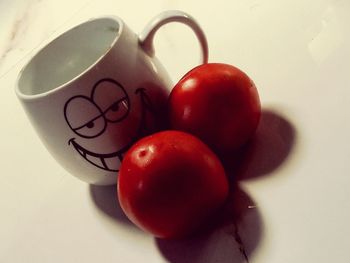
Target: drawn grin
x,y
106,161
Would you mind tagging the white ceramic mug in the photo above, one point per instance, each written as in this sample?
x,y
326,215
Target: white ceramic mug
x,y
94,90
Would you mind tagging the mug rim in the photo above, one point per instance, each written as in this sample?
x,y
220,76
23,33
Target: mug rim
x,y
24,96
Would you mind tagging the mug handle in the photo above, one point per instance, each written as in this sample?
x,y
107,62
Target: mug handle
x,y
147,35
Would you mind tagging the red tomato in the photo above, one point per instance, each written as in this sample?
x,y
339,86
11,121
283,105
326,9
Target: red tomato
x,y
218,103
170,183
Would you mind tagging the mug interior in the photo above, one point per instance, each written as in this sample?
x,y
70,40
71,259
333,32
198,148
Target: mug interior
x,y
68,56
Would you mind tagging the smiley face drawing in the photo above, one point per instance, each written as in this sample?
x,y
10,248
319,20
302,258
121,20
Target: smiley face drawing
x,y
104,115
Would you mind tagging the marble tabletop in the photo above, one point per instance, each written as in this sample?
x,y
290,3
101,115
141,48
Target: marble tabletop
x,y
293,191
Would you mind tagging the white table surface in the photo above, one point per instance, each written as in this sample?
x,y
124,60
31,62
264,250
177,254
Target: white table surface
x,y
295,190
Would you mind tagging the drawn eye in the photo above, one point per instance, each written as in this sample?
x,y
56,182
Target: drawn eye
x,y
90,125
115,106
113,100
118,110
84,117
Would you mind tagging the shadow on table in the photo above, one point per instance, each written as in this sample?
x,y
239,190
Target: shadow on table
x,y
106,200
239,228
270,147
233,237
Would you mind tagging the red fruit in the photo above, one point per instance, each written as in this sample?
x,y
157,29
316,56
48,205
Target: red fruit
x,y
170,183
218,103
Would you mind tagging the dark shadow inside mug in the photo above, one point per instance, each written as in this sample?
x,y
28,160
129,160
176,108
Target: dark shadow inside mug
x,y
69,55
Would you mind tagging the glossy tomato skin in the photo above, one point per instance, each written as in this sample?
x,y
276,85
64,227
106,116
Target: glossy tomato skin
x,y
170,183
218,103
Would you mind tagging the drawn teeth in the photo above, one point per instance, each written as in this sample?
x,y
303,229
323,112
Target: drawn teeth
x,y
112,163
81,152
95,160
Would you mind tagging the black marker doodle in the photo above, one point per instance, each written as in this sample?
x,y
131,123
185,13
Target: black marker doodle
x,y
98,114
